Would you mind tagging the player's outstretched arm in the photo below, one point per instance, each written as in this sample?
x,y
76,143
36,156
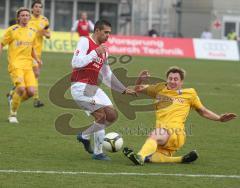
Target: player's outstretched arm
x,y
139,86
110,80
206,113
46,33
34,55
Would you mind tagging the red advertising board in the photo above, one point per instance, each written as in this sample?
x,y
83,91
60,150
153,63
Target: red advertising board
x,y
149,46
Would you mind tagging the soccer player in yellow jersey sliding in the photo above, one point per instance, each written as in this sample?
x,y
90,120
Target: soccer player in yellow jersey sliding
x,y
169,134
21,41
41,24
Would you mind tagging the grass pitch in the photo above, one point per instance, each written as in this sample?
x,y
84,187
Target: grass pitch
x,y
42,157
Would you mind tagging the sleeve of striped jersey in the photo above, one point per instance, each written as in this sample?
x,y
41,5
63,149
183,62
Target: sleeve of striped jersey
x,y
74,27
91,25
110,80
81,58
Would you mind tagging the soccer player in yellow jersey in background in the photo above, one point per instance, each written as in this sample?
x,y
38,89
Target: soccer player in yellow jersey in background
x,y
169,134
20,39
41,24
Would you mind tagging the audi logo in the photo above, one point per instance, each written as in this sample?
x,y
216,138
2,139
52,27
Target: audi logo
x,y
215,46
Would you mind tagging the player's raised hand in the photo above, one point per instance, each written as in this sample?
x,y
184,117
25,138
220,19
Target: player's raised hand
x,y
39,62
129,91
101,49
144,75
227,117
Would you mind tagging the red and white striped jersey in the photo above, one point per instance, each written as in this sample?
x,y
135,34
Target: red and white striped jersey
x,y
86,62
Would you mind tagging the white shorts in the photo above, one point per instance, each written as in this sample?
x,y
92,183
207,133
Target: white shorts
x,y
89,97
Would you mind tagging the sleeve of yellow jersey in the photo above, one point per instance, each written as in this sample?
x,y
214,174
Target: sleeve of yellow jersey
x,y
46,24
196,103
7,37
152,90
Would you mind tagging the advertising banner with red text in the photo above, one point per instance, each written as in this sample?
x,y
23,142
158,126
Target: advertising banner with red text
x,y
149,46
216,49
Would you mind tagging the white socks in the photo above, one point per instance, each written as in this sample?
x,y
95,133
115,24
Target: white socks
x,y
95,127
98,130
98,141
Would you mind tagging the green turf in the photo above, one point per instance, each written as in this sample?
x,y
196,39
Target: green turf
x,y
35,144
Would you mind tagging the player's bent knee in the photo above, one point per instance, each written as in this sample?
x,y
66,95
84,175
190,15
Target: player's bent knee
x,y
30,92
100,118
153,136
20,90
112,117
111,114
160,135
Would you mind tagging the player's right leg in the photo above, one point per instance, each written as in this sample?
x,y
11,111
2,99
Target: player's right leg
x,y
89,99
158,136
36,100
190,157
164,153
24,83
17,77
135,158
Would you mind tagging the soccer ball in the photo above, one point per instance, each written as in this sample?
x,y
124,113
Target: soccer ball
x,y
112,142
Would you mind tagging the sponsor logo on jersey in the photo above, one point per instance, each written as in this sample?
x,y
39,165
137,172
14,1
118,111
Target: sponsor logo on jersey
x,y
23,43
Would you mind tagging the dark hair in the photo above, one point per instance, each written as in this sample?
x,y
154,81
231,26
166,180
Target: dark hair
x,y
100,23
36,2
178,70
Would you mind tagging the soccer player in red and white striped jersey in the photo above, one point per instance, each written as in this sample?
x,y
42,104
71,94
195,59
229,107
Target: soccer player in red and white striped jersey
x,y
89,62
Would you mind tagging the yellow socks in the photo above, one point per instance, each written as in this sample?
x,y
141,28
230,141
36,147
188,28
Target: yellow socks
x,y
16,100
149,147
161,158
24,96
36,93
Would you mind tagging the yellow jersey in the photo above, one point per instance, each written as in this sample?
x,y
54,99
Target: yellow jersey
x,y
39,24
173,106
20,41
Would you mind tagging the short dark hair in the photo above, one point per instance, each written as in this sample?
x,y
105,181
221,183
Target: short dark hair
x,y
100,23
36,2
178,70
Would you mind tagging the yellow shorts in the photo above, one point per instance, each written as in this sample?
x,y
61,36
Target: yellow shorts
x,y
23,78
175,141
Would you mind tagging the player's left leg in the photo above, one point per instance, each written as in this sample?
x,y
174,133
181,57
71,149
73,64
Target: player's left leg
x,y
17,76
36,101
158,157
110,116
164,154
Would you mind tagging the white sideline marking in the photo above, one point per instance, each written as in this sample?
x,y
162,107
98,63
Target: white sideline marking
x,y
54,79
117,173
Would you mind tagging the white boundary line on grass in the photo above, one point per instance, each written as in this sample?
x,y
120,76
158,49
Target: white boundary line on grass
x,y
117,173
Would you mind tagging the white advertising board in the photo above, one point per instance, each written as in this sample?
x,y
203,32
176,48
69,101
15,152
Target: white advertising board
x,y
216,49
